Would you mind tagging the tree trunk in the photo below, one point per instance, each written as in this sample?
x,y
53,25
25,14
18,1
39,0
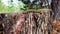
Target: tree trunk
x,y
56,9
56,17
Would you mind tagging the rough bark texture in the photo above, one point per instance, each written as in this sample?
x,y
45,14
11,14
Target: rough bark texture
x,y
26,23
56,9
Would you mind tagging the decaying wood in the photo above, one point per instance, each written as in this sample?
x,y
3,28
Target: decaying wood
x,y
55,27
26,23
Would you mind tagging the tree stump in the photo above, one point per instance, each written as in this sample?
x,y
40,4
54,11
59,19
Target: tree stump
x,y
30,22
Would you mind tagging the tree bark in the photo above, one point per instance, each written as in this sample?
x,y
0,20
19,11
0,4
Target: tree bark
x,y
56,9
